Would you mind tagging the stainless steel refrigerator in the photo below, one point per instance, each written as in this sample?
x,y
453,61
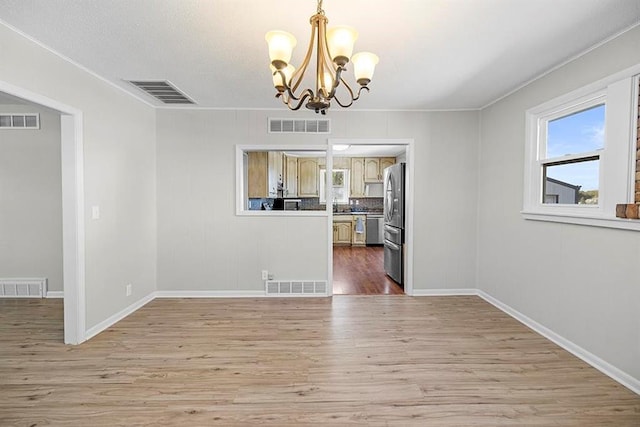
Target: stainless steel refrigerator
x,y
394,185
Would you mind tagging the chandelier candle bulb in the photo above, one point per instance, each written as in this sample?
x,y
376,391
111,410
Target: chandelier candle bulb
x,y
341,40
364,63
281,46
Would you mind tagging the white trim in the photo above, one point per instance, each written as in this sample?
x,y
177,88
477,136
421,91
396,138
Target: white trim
x,y
444,292
605,222
409,202
562,64
606,368
601,365
73,231
55,294
615,164
361,110
239,196
112,320
72,62
210,294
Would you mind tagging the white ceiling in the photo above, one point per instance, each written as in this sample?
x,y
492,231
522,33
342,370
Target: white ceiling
x,y
434,54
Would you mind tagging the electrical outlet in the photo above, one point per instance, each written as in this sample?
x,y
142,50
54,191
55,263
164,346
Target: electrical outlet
x,y
129,289
265,275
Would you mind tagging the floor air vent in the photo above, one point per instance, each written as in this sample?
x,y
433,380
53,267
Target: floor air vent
x,y
290,288
162,90
299,126
23,288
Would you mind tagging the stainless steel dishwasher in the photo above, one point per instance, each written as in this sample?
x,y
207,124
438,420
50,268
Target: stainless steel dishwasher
x,y
375,230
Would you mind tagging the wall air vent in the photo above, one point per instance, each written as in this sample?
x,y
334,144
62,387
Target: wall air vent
x,y
20,121
163,91
299,126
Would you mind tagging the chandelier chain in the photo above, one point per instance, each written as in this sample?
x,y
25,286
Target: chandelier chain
x,y
320,11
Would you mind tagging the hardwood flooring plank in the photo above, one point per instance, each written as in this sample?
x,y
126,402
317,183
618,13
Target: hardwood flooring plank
x,y
341,361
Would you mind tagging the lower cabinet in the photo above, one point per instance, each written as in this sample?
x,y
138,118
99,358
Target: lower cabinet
x,y
359,236
342,230
350,230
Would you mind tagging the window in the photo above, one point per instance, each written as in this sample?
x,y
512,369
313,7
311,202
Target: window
x,y
570,144
578,162
341,187
279,180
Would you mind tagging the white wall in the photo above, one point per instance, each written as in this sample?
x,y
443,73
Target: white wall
x,y
31,199
119,172
581,282
203,246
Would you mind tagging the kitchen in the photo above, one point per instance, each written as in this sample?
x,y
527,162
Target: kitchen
x,y
295,180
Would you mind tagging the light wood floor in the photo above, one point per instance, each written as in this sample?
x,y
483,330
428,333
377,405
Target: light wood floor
x,y
359,270
341,361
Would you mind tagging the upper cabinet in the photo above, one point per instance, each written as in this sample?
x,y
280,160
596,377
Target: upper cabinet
x,y
357,177
374,168
257,174
276,183
308,177
290,176
385,162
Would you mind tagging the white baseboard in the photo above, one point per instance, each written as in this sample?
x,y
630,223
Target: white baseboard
x,y
209,294
606,368
55,294
92,332
443,292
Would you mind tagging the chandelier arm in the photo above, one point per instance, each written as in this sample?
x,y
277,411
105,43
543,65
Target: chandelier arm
x,y
336,82
296,79
353,99
305,95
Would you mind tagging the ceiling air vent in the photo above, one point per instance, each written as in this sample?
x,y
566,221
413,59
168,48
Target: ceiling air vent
x,y
162,90
299,126
20,121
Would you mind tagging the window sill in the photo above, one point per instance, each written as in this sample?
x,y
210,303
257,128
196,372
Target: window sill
x,y
283,213
590,221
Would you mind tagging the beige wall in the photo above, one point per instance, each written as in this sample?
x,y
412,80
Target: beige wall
x,y
31,199
204,246
581,282
119,172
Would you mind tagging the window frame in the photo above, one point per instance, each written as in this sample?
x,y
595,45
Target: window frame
x,y
566,110
240,208
616,162
323,185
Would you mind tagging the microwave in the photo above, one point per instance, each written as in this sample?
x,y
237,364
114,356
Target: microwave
x,y
292,204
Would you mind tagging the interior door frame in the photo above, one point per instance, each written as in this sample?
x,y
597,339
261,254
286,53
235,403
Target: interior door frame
x,y
73,228
409,204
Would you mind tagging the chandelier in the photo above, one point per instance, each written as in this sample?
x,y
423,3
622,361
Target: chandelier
x,y
333,48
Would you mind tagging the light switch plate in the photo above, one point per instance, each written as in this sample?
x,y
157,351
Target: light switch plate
x,y
95,212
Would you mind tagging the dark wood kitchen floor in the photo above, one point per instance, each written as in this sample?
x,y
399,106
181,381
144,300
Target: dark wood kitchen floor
x,y
360,271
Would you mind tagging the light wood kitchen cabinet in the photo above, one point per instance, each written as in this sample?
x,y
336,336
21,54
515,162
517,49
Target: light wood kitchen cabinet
x,y
385,162
359,235
308,177
342,226
290,176
257,174
274,161
357,177
374,168
342,162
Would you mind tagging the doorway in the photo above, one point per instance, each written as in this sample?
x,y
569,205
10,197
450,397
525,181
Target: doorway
x,y
72,209
356,251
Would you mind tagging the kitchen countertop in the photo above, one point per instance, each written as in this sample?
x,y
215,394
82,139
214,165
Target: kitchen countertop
x,y
358,213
